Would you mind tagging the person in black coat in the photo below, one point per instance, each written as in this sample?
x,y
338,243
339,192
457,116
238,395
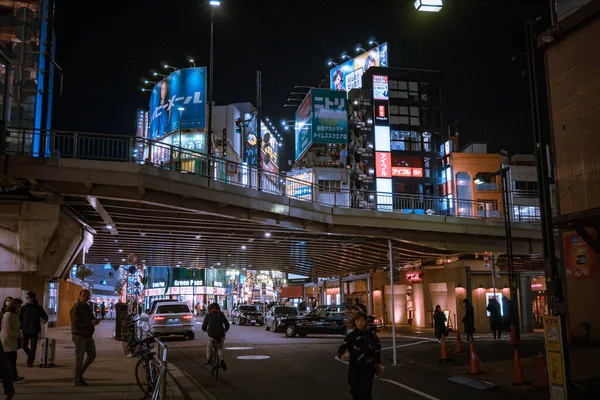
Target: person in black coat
x,y
469,319
439,323
216,325
514,317
31,316
362,349
493,308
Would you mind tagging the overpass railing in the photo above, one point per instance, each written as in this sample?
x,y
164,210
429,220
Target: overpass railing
x,y
128,149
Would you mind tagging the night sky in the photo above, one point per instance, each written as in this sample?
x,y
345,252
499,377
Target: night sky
x,y
106,53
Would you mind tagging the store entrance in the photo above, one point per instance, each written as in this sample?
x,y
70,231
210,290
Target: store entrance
x,y
539,305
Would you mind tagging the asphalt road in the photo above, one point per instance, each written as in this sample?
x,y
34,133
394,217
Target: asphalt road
x,y
301,368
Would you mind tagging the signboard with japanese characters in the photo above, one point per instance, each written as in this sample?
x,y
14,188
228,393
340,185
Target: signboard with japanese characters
x,y
580,259
555,357
329,116
303,131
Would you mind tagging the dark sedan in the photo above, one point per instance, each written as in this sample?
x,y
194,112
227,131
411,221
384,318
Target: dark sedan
x,y
323,320
247,315
277,313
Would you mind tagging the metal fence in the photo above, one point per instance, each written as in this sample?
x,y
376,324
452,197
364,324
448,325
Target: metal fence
x,y
116,148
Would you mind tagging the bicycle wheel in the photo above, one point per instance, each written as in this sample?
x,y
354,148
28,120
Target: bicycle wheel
x,y
141,375
215,362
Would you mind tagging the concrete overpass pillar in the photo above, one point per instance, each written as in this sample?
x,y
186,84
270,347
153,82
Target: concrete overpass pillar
x,y
38,241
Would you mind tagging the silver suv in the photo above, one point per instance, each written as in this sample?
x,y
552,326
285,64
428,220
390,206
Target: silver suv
x,y
172,318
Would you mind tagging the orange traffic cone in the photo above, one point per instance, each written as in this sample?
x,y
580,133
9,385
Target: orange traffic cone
x,y
513,336
459,346
542,377
473,362
518,375
444,351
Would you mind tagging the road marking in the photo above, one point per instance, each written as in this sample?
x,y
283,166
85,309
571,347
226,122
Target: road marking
x,y
406,345
253,357
410,389
239,348
416,337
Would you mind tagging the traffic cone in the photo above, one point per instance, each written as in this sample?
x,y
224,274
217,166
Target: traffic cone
x,y
459,346
518,375
513,336
473,362
542,377
444,351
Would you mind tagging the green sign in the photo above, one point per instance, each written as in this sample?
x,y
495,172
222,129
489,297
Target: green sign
x,y
329,116
303,128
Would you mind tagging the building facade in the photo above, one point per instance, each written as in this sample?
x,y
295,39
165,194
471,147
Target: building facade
x,y
572,57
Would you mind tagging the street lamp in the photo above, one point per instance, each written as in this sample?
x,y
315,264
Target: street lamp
x,y
480,179
214,5
181,110
429,5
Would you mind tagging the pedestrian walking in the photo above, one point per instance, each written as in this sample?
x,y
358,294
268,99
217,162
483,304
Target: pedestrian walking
x,y
83,325
5,375
493,308
514,317
11,337
102,310
439,323
4,307
469,319
362,350
31,316
360,305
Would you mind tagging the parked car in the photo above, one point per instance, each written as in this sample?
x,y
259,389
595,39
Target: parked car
x,y
145,316
321,321
172,318
247,314
276,313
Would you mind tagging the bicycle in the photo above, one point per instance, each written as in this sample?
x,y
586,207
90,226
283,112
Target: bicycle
x,y
215,362
147,369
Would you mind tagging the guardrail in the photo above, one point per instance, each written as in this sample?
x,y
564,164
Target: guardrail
x,y
117,148
160,388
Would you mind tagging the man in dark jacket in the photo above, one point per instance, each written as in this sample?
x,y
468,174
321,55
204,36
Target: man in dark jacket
x,y
83,325
216,324
30,316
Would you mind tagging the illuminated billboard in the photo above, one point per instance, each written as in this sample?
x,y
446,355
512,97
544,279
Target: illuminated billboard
x,y
321,118
303,128
270,150
184,88
348,75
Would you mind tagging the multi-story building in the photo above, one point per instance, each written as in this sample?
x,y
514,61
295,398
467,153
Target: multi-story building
x,y
572,59
27,46
396,128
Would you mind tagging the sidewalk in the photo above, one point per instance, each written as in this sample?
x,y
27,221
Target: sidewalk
x,y
112,375
497,361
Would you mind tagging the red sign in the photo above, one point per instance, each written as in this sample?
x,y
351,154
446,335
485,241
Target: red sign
x,y
407,172
381,111
383,165
580,258
413,276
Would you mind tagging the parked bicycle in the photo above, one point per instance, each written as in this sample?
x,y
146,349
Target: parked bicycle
x,y
147,369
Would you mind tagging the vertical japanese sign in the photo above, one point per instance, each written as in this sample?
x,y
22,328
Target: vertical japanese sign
x,y
329,116
303,128
555,357
580,259
383,166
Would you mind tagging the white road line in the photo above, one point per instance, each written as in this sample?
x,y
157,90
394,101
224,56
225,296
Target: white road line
x,y
406,345
418,337
410,389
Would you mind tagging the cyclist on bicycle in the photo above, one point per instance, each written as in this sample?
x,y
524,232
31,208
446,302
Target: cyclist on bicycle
x,y
216,324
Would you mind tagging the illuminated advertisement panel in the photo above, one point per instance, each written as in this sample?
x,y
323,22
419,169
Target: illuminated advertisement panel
x,y
405,172
382,138
303,128
270,150
348,75
329,116
380,87
383,165
185,88
384,194
299,185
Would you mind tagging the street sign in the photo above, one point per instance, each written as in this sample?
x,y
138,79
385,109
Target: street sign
x,y
555,357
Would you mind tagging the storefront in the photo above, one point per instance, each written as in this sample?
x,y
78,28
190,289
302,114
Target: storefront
x,y
191,285
260,286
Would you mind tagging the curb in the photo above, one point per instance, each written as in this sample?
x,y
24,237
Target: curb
x,y
186,387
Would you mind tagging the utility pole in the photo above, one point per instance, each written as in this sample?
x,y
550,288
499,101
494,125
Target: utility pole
x,y
259,129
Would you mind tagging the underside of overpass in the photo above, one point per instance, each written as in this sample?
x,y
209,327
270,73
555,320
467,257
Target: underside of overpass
x,y
168,218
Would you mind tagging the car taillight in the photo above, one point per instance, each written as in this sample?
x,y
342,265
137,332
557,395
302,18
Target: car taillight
x,y
188,316
158,318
